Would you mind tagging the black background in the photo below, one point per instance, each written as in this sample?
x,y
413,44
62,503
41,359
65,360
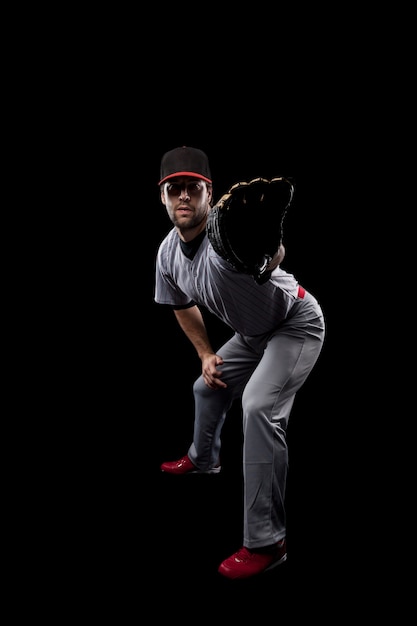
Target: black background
x,y
110,374
131,374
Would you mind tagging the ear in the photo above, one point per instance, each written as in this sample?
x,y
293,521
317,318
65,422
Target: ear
x,y
163,200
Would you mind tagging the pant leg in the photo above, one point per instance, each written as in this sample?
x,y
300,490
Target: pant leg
x,y
211,406
289,356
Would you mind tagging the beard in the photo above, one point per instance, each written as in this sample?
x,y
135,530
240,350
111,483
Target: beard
x,y
189,221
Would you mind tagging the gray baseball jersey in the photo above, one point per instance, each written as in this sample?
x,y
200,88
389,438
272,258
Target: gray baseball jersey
x,y
236,298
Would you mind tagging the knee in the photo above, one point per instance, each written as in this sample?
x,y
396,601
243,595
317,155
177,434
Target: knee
x,y
200,388
249,404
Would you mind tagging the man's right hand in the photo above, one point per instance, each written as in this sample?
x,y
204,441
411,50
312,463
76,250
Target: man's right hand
x,y
211,374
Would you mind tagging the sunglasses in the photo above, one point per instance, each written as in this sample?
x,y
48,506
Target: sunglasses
x,y
175,189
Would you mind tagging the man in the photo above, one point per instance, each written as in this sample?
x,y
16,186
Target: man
x,y
279,331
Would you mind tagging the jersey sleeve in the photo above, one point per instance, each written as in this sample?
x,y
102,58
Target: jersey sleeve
x,y
166,289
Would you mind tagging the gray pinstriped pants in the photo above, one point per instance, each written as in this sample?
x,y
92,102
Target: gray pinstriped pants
x,y
266,372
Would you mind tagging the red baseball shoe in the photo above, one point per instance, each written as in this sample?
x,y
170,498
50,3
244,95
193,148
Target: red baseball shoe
x,y
186,466
246,563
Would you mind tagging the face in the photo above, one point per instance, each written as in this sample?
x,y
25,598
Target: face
x,y
187,201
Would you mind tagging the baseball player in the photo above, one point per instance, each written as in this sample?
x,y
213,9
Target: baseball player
x,y
278,328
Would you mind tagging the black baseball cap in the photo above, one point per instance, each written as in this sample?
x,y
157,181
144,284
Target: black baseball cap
x,y
185,161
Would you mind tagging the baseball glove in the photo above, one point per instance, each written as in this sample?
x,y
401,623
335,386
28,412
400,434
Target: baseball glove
x,y
245,227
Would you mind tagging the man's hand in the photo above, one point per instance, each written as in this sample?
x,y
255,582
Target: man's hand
x,y
211,374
